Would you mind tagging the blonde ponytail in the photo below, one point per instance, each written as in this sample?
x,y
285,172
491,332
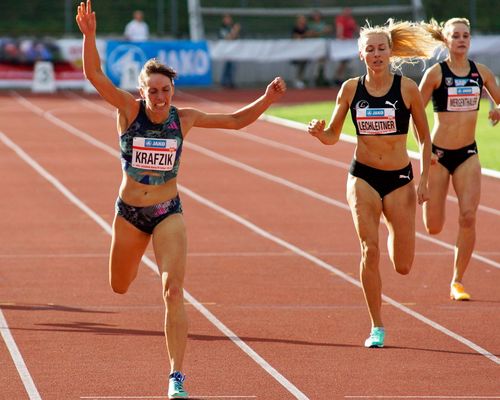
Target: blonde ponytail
x,y
408,41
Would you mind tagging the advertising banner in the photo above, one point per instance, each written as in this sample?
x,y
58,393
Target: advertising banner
x,y
191,60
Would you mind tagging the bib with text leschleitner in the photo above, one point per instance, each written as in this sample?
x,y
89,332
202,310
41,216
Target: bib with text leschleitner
x,y
463,98
376,121
154,154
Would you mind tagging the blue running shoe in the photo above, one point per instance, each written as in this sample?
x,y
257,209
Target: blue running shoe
x,y
176,386
376,338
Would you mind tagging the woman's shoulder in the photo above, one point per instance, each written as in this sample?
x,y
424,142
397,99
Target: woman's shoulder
x,y
483,69
433,75
351,84
348,89
408,83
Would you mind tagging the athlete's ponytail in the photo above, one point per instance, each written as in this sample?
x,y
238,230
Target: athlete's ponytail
x,y
408,41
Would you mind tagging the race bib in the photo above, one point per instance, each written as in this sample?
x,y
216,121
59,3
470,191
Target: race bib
x,y
376,121
154,154
463,98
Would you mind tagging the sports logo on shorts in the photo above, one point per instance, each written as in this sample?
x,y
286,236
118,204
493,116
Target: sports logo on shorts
x,y
439,153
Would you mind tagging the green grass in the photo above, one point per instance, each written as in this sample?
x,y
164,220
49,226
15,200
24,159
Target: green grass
x,y
487,136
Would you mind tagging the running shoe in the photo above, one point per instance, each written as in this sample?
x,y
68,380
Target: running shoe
x,y
457,292
376,338
176,386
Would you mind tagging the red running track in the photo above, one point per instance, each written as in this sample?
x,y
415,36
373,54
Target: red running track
x,y
272,283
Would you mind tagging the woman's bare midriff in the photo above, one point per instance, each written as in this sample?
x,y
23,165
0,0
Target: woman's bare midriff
x,y
454,130
140,195
385,153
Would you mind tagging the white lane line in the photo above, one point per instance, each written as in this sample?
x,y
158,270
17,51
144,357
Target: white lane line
x,y
21,367
249,254
290,387
195,396
322,264
421,397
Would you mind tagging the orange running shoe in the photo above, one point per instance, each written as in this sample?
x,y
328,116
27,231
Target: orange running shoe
x,y
457,292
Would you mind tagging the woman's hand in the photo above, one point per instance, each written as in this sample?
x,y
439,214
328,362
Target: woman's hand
x,y
494,116
422,191
85,18
316,127
276,89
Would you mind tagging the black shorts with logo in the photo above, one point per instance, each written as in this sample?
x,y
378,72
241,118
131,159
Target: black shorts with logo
x,y
451,159
384,182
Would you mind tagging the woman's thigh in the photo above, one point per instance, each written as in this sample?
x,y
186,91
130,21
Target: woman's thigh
x,y
170,247
467,184
128,245
434,208
399,213
366,208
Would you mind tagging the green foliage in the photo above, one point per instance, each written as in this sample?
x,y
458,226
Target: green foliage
x,y
483,14
487,136
56,17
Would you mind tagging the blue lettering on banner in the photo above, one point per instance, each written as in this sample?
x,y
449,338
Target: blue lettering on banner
x,y
191,60
158,143
464,90
375,113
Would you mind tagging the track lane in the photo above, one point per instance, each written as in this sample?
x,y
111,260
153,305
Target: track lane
x,y
361,309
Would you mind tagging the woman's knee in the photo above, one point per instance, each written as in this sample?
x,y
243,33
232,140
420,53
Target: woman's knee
x,y
433,224
119,286
434,227
467,219
173,294
370,252
403,267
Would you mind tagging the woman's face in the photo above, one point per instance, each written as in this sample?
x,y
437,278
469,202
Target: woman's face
x,y
157,90
375,51
458,38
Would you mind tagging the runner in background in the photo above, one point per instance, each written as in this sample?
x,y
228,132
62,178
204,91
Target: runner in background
x,y
455,86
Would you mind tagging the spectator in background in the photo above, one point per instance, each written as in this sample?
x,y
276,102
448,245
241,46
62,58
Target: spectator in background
x,y
346,27
229,30
137,30
300,31
319,28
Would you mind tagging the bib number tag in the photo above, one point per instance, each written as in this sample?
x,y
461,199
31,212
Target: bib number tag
x,y
376,121
463,98
154,154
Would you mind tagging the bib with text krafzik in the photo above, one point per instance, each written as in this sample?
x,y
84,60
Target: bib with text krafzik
x,y
463,98
154,154
376,121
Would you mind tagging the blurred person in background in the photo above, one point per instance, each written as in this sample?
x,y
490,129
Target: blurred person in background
x,y
380,177
455,86
318,28
229,30
346,27
137,29
148,208
300,31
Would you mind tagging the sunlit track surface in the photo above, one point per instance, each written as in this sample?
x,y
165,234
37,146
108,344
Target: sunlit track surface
x,y
275,265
